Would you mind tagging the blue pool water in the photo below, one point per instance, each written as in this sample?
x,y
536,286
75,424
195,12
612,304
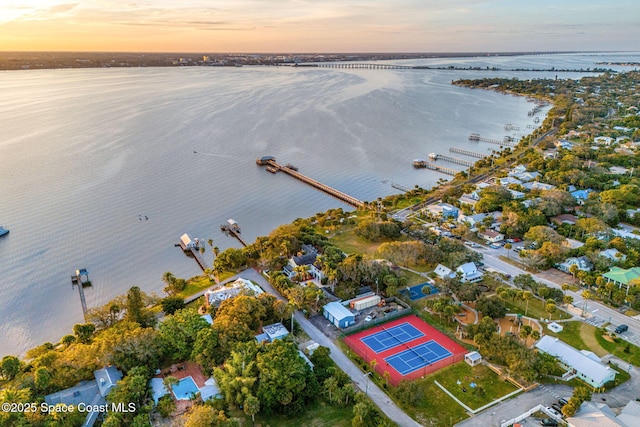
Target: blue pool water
x,y
185,389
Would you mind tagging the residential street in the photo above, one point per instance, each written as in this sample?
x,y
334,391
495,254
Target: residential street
x,y
597,313
379,397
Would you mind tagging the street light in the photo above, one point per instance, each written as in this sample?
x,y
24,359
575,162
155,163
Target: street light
x,y
366,390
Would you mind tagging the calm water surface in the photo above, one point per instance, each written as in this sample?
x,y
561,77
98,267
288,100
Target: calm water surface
x,y
99,170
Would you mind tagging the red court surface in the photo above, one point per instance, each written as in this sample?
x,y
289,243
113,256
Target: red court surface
x,y
388,346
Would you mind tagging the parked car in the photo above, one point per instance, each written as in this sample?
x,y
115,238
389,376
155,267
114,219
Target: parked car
x,y
549,422
562,401
621,328
495,246
557,407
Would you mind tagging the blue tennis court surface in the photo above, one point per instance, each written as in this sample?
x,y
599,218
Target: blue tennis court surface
x,y
392,337
415,292
417,357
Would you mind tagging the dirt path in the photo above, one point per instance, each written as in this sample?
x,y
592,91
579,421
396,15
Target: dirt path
x,y
587,333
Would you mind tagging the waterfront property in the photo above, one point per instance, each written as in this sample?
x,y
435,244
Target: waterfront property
x,y
306,259
443,210
584,365
231,290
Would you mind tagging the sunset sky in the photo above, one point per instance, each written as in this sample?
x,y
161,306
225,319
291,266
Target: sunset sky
x,y
319,25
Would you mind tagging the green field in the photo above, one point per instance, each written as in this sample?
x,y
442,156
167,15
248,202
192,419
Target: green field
x,y
535,309
319,415
618,348
435,407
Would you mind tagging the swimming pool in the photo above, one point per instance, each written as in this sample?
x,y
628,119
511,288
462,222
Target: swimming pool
x,y
185,388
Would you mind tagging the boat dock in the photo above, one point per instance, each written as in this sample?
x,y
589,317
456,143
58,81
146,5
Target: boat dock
x,y
81,279
468,153
400,187
191,247
270,162
232,227
433,157
507,141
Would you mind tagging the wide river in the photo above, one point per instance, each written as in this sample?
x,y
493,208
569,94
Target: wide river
x,y
104,169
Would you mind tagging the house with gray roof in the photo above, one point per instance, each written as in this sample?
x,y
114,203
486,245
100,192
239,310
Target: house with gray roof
x,y
89,393
582,263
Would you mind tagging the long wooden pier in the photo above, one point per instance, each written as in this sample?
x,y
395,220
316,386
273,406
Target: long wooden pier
x,y
271,161
77,280
433,157
441,169
468,153
507,141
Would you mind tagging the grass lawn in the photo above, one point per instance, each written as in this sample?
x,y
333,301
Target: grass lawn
x,y
345,238
617,348
535,309
579,335
412,278
318,415
484,377
195,285
435,407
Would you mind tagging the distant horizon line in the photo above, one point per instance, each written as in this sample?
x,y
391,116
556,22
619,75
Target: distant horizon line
x,y
487,52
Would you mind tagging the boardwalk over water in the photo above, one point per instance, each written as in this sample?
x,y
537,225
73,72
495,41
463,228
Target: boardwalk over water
x,y
271,162
195,254
507,141
468,153
433,157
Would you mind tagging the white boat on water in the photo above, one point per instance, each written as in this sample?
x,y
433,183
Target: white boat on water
x,y
3,231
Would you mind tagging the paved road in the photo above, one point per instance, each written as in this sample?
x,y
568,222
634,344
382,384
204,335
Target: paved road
x,y
379,397
596,313
494,416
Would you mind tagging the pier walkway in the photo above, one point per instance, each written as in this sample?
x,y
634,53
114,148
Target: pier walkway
x,y
195,254
271,162
507,141
468,153
433,157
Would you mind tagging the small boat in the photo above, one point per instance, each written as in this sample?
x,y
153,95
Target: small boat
x,y
3,231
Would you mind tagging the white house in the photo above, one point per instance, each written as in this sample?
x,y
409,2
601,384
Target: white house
x,y
469,272
444,272
491,236
231,290
538,186
472,220
307,258
584,365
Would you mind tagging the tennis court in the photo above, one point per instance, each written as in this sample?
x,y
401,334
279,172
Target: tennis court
x,y
417,357
405,348
392,337
415,292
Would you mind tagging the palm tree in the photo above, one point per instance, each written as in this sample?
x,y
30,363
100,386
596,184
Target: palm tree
x,y
587,295
508,247
526,295
169,382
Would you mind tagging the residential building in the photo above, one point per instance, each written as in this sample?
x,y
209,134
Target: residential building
x,y
594,414
582,263
603,140
443,210
613,254
469,273
473,358
231,290
581,364
622,277
88,393
338,314
444,272
535,185
307,258
491,236
468,199
564,219
472,220
272,332
581,196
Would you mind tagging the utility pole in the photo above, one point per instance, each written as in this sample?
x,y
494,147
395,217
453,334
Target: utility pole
x,y
366,390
